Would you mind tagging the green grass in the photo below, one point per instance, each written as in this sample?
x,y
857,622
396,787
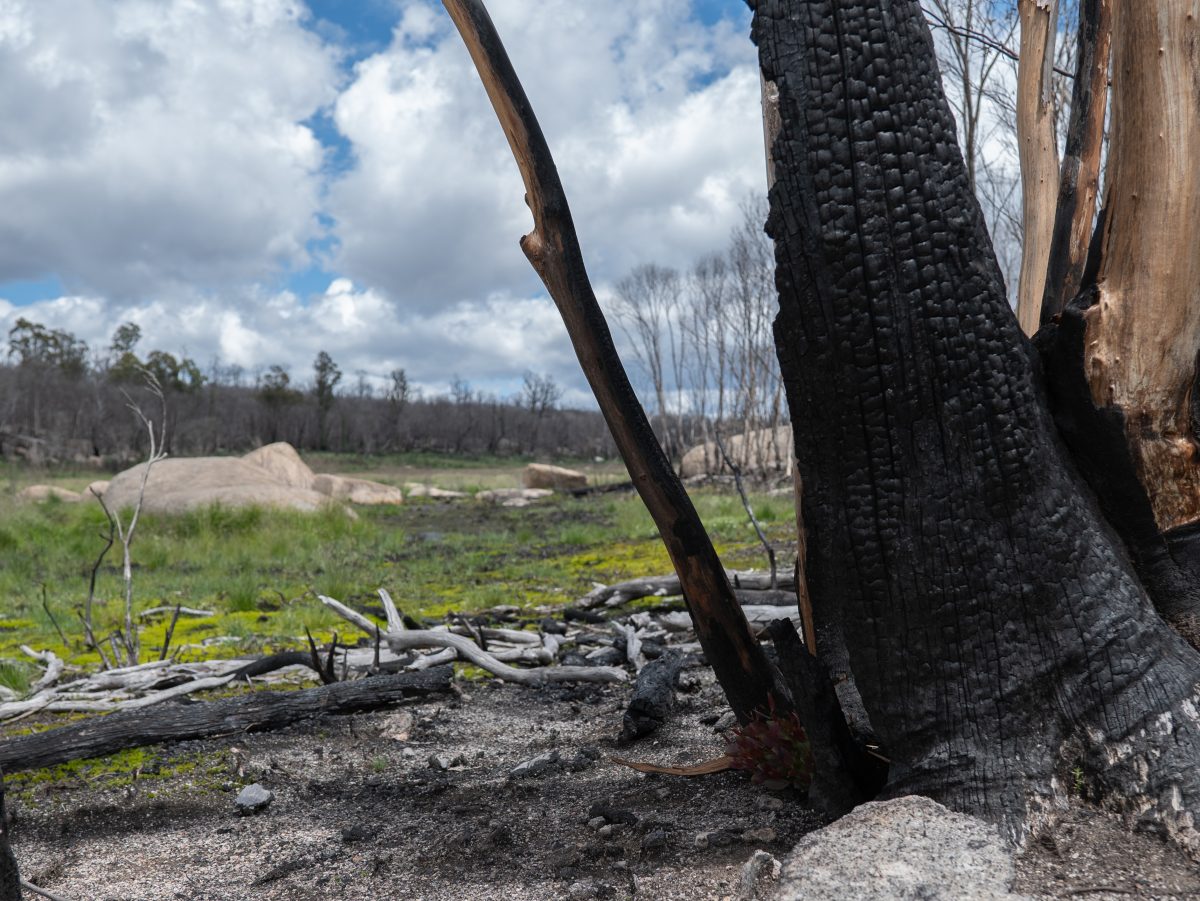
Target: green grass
x,y
260,570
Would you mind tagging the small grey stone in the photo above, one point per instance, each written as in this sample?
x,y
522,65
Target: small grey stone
x,y
763,836
535,766
595,823
359,832
252,799
654,841
760,866
719,838
726,722
611,829
766,802
439,762
581,890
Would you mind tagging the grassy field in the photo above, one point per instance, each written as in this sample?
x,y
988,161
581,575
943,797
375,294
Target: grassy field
x,y
260,570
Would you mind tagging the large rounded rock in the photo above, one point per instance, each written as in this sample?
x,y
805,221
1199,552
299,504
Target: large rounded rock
x,y
357,491
281,460
906,849
39,493
176,485
760,451
555,478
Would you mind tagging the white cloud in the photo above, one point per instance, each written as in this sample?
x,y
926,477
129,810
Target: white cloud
x,y
153,144
653,119
162,172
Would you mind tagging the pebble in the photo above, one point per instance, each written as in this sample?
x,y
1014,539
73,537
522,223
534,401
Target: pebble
x,y
654,841
439,762
610,814
596,822
721,838
253,799
611,829
763,836
579,890
535,766
356,833
727,721
766,802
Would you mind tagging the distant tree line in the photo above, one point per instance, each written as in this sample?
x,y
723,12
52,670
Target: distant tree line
x,y
60,402
701,345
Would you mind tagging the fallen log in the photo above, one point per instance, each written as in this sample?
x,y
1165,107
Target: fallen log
x,y
653,697
255,712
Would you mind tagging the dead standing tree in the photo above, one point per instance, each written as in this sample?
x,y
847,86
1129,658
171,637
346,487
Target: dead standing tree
x,y
961,574
553,250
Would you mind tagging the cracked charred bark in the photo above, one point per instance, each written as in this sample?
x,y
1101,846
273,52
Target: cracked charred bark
x,y
959,569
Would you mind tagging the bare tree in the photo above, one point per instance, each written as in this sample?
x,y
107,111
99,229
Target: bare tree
x,y
649,304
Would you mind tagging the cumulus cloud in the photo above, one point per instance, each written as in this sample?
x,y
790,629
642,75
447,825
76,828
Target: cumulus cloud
x,y
152,144
653,118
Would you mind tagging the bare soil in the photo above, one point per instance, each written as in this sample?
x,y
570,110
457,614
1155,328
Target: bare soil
x,y
364,810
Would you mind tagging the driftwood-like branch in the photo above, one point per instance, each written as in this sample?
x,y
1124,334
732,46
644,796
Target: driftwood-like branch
x,y
252,712
54,668
183,611
421,639
553,250
668,586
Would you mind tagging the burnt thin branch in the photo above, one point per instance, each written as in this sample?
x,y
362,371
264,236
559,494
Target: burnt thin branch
x,y
553,250
741,490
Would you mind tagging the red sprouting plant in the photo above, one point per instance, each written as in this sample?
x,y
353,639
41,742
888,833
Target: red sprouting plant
x,y
773,749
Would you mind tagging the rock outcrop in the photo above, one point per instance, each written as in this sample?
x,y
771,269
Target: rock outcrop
x,y
555,478
272,476
38,493
357,491
762,451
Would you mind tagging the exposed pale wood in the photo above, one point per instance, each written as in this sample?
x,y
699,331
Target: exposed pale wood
x,y
54,668
251,712
668,586
1079,177
1144,332
420,639
395,622
1038,150
183,611
553,249
67,704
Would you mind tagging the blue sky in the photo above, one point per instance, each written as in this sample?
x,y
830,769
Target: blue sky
x,y
258,180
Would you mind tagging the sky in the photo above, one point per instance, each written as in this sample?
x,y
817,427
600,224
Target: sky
x,y
254,181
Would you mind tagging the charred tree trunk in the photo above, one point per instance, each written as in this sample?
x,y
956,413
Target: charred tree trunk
x,y
989,617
